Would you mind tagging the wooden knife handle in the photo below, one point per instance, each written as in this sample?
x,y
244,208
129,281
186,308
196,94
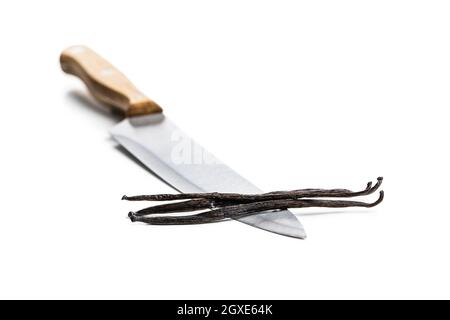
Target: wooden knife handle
x,y
105,82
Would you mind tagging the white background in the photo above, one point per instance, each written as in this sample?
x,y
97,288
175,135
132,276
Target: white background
x,y
291,94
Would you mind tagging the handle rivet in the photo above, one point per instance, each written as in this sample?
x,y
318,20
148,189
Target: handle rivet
x,y
77,50
106,72
138,96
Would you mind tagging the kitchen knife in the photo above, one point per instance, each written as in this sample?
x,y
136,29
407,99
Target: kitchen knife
x,y
160,145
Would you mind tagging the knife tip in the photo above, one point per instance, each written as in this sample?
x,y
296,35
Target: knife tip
x,y
301,235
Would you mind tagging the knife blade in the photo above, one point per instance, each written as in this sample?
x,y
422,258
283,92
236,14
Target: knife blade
x,y
160,145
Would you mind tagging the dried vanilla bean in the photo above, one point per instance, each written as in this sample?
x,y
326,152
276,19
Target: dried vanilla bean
x,y
183,206
200,204
173,220
277,195
243,210
255,207
224,206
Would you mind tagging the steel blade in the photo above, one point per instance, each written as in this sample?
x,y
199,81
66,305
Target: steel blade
x,y
178,160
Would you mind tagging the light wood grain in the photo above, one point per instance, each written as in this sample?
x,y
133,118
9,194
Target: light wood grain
x,y
105,82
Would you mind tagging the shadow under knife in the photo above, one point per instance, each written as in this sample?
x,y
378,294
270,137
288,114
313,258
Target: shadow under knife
x,y
130,156
80,98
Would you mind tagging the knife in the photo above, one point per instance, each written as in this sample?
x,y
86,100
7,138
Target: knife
x,y
160,145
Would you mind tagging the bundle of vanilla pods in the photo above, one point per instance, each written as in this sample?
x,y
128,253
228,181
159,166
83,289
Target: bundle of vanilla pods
x,y
215,207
